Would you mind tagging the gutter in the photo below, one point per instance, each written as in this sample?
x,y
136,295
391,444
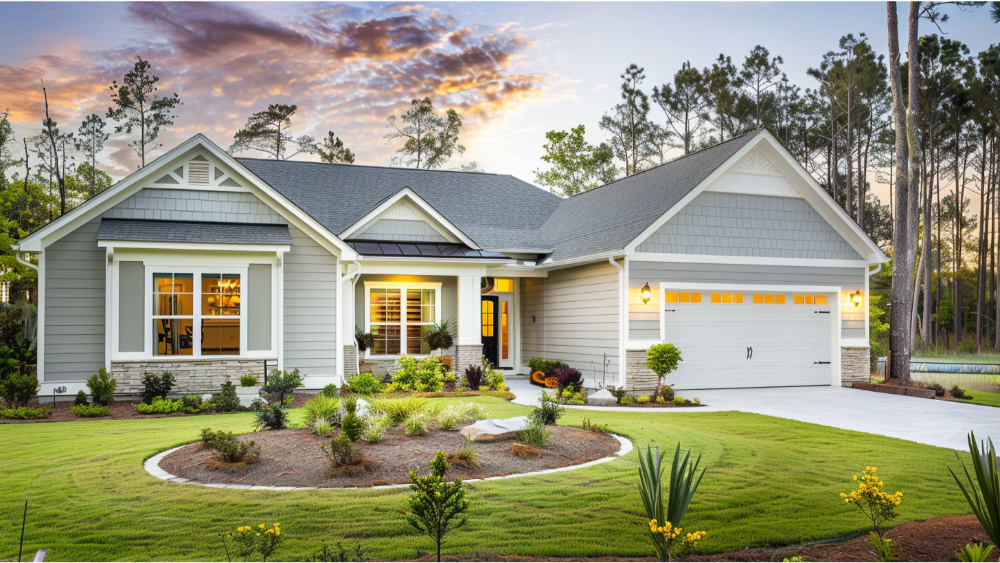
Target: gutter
x,y
878,268
17,255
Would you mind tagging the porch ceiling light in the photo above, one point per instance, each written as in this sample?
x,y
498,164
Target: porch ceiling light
x,y
645,293
856,299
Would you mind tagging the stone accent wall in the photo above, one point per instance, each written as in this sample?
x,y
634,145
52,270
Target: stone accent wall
x,y
855,365
467,355
350,360
195,376
638,377
378,367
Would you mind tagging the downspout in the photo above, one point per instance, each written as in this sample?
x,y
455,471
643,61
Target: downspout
x,y
878,268
23,261
354,275
622,318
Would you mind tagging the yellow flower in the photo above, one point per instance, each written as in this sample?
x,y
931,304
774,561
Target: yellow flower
x,y
262,526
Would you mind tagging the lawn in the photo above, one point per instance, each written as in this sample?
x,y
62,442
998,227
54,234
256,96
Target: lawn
x,y
770,482
983,398
950,357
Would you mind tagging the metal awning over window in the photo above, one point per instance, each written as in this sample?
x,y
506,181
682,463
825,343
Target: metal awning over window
x,y
400,249
138,230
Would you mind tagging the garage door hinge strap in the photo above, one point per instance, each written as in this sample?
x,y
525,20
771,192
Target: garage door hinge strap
x,y
821,362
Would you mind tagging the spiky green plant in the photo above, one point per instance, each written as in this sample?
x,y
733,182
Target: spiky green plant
x,y
983,493
684,481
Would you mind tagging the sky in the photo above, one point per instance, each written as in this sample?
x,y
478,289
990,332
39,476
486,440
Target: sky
x,y
512,70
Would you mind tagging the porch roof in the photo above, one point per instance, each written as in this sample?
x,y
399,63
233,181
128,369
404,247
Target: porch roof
x,y
144,230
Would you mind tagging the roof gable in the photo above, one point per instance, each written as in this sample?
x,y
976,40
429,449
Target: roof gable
x,y
405,217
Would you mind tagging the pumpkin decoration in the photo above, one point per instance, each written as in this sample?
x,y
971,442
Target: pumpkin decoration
x,y
552,382
538,377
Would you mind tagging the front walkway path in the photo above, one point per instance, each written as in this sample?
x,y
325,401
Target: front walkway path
x,y
932,422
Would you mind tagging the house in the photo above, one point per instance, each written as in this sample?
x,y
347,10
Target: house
x,y
212,267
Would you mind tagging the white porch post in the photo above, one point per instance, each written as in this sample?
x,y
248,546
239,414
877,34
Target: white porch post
x,y
469,348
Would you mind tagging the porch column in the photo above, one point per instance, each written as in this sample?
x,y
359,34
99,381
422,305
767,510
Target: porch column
x,y
469,349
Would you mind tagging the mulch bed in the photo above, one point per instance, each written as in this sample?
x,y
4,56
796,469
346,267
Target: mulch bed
x,y
295,458
933,540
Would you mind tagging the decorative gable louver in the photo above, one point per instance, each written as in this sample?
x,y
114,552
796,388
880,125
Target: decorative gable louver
x,y
198,172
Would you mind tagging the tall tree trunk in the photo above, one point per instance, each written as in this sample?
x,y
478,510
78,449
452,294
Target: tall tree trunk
x,y
984,227
925,334
901,295
921,266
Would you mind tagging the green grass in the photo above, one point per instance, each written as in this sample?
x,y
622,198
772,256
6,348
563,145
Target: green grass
x,y
982,398
956,358
770,482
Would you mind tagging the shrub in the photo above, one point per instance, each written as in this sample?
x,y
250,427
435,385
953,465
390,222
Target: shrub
x,y
364,384
436,506
375,425
154,386
983,492
598,428
398,409
493,379
473,377
660,400
81,398
351,426
568,377
662,359
419,375
534,434
226,400
346,458
322,428
321,409
642,400
974,552
228,447
570,397
626,400
25,413
679,401
878,507
281,383
102,388
90,411
549,412
159,406
667,392
248,541
415,424
465,457
547,367
885,548
450,417
190,404
248,381
440,336
959,393
449,377
257,405
16,389
665,522
330,391
938,389
271,418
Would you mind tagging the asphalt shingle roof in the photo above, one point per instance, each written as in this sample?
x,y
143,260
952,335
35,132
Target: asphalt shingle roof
x,y
500,211
192,231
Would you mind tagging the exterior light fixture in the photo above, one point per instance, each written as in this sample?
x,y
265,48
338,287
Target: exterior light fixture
x,y
645,293
856,299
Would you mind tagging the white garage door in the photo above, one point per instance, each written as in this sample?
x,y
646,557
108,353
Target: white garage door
x,y
733,338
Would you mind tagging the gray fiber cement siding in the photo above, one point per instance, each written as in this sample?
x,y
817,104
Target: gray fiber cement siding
x,y
725,224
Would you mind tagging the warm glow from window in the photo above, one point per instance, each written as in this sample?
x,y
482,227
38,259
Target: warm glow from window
x,y
681,297
503,285
806,299
670,297
723,298
769,298
716,298
398,317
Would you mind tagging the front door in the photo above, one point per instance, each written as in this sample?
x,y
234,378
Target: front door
x,y
490,329
505,320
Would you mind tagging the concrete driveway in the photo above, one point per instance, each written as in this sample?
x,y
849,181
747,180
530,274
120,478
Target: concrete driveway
x,y
933,422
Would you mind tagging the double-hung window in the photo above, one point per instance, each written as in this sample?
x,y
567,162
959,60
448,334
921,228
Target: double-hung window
x,y
399,316
197,314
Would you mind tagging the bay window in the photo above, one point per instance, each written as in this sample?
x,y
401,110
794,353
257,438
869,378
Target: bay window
x,y
399,316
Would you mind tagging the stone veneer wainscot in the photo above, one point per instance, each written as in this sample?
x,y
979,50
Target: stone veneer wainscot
x,y
190,376
855,364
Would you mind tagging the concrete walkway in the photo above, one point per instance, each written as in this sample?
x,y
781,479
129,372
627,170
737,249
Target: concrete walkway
x,y
932,422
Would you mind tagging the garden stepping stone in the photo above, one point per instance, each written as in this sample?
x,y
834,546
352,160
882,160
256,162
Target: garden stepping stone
x,y
602,398
495,429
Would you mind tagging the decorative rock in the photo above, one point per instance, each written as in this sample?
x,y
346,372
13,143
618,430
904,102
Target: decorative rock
x,y
602,398
494,429
360,411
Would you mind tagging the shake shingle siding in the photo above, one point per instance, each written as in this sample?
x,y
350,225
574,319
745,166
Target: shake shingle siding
x,y
724,224
74,305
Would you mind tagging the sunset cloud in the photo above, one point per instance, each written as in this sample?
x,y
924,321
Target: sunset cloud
x,y
347,69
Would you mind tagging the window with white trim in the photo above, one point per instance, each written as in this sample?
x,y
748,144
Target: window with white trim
x,y
399,316
206,322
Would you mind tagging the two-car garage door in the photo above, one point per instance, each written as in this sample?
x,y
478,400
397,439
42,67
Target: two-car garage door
x,y
731,338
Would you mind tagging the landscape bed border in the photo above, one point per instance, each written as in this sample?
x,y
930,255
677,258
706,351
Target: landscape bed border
x,y
152,466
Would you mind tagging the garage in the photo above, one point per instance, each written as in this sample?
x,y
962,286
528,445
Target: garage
x,y
751,337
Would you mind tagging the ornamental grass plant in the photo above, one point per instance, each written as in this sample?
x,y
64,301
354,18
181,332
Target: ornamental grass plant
x,y
668,537
982,487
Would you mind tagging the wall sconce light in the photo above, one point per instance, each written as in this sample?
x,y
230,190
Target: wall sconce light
x,y
645,293
856,299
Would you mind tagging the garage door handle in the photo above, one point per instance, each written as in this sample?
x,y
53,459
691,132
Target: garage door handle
x,y
821,362
670,310
822,312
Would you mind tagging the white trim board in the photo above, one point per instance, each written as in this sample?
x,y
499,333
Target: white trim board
x,y
746,260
